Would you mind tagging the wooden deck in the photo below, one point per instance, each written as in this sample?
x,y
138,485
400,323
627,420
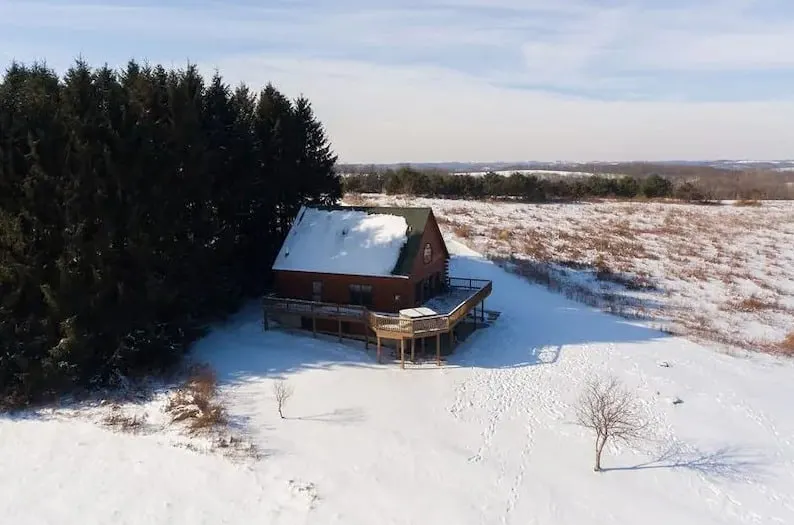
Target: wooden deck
x,y
389,325
393,326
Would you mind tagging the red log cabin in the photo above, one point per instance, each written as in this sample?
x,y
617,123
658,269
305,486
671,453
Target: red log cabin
x,y
380,272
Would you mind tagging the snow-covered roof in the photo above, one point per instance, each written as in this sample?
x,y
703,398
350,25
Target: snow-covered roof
x,y
343,241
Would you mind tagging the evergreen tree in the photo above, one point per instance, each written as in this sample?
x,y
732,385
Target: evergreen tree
x,y
134,207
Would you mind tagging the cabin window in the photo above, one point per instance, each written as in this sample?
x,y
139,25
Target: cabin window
x,y
317,291
361,294
427,255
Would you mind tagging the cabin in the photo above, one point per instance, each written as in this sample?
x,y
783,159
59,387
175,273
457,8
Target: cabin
x,y
380,274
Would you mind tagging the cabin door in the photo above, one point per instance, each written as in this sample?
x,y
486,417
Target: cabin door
x,y
317,291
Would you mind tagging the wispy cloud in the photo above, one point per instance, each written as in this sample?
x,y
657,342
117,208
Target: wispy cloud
x,y
480,78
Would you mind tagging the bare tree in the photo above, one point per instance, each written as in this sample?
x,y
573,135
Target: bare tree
x,y
612,412
282,392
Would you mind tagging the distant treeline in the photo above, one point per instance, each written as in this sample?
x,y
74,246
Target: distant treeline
x,y
136,206
681,184
521,186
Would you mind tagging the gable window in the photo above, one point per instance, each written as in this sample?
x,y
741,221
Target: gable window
x,y
361,294
427,255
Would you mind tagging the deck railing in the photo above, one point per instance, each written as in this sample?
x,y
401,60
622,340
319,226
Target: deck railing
x,y
393,324
344,312
388,324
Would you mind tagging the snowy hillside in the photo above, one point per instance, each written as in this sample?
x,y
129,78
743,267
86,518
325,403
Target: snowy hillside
x,y
487,439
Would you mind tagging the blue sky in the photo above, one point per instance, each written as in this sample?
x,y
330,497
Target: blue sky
x,y
469,79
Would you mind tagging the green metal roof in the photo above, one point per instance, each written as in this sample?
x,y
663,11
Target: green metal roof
x,y
416,218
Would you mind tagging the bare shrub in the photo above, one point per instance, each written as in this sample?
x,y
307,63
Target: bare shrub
x,y
213,416
282,392
603,271
612,412
195,401
787,345
118,420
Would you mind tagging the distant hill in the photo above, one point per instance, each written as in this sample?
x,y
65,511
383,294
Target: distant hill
x,y
593,167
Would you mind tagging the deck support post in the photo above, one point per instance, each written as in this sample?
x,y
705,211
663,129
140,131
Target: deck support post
x,y
483,310
314,326
366,338
267,324
402,353
413,350
340,330
378,337
438,349
451,339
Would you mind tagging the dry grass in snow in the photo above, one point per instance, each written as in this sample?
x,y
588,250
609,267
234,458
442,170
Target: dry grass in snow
x,y
189,414
118,420
719,273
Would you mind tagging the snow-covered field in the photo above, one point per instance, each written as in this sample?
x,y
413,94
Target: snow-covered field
x,y
487,439
719,273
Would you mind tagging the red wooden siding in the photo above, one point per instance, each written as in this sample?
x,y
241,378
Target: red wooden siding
x,y
336,288
432,236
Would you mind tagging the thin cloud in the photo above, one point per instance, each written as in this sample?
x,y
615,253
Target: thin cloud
x,y
483,79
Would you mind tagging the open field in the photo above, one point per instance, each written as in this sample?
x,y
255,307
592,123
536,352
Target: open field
x,y
487,439
723,274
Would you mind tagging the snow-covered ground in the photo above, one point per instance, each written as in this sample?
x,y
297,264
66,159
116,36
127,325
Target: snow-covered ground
x,y
721,273
487,439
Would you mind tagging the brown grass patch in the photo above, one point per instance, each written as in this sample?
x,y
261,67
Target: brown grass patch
x,y
747,202
356,199
786,346
535,246
753,304
463,231
460,210
501,234
117,420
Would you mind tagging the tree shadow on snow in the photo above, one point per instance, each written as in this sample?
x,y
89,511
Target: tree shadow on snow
x,y
340,416
727,463
241,351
